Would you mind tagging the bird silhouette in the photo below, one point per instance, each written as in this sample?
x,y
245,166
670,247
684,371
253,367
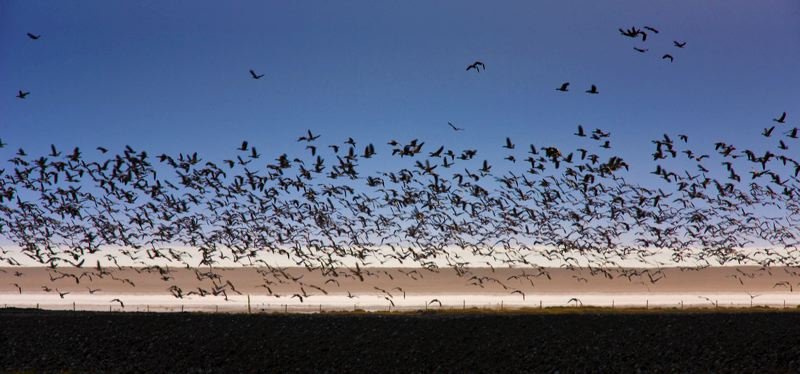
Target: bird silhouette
x,y
454,127
34,37
254,75
679,45
667,57
477,65
21,94
564,87
121,304
593,90
781,118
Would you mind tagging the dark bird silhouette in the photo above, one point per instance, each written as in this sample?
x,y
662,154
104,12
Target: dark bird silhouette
x,y
22,95
61,294
651,29
243,147
576,301
564,87
519,292
454,127
309,137
593,90
18,287
640,50
92,291
435,301
34,37
509,144
667,57
580,132
254,75
477,65
121,304
781,119
679,45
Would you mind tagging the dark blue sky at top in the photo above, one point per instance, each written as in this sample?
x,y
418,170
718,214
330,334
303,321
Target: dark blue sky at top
x,y
172,76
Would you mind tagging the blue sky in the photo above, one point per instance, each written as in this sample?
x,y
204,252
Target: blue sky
x,y
173,76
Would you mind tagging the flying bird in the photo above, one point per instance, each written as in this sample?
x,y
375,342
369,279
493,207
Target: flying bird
x,y
254,75
477,65
564,87
679,45
640,50
593,90
667,57
781,119
121,304
454,127
651,29
22,95
34,37
435,301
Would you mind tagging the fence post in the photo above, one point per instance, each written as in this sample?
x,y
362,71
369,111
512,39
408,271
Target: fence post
x,y
716,304
647,304
286,308
37,305
320,308
501,304
540,303
681,304
464,305
248,303
784,303
73,306
181,308
216,308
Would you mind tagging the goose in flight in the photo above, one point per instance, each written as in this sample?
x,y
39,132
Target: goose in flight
x,y
781,119
667,57
564,87
519,292
121,304
454,127
593,90
477,65
575,300
435,301
34,37
254,75
21,94
679,45
640,50
18,287
651,29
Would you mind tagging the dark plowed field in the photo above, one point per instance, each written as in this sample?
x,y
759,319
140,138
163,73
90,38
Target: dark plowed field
x,y
620,342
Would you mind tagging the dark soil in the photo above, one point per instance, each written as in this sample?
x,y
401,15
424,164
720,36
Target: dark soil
x,y
32,340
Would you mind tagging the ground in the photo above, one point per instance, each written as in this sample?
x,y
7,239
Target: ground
x,y
590,340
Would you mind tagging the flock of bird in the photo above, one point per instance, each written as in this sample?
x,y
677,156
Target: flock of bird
x,y
320,209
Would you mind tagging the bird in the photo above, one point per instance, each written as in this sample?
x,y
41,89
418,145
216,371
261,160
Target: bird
x,y
454,127
435,301
564,87
102,149
18,287
519,292
21,94
254,75
243,147
640,50
580,132
679,45
61,294
92,291
576,300
509,144
477,65
593,90
651,29
121,304
34,37
309,137
781,118
667,57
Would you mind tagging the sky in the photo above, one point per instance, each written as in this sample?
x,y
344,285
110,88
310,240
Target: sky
x,y
173,76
